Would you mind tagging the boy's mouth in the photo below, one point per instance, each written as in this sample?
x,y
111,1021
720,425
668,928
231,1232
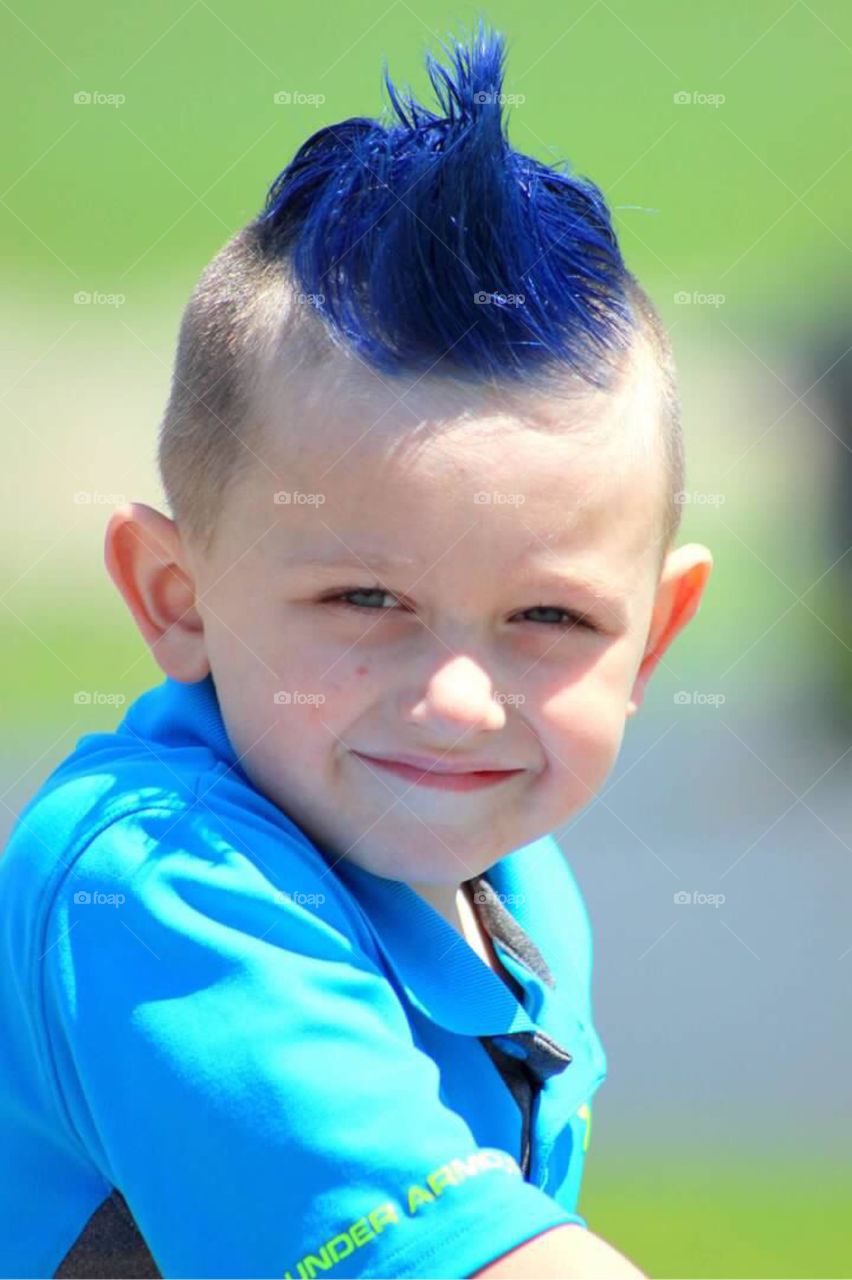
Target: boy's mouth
x,y
438,773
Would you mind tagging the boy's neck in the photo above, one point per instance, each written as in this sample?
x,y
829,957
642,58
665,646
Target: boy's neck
x,y
449,900
454,903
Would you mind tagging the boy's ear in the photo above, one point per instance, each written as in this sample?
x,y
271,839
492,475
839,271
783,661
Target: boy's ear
x,y
681,586
145,559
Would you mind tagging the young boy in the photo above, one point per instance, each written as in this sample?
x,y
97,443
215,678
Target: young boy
x,y
296,979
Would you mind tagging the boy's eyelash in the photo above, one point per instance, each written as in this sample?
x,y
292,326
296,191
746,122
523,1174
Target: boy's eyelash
x,y
575,618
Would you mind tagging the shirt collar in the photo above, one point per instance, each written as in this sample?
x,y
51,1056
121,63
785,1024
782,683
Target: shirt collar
x,y
177,714
441,974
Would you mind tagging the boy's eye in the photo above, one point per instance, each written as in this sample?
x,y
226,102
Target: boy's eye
x,y
573,619
567,619
360,591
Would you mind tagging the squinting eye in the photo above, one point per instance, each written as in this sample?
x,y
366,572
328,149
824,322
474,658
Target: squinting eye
x,y
567,620
574,619
360,591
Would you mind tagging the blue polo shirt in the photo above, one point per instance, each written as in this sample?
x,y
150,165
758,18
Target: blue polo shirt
x,y
232,1053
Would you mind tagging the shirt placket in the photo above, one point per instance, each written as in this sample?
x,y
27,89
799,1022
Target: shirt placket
x,y
525,1060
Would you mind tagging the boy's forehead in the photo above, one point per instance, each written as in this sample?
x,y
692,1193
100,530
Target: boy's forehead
x,y
311,410
581,465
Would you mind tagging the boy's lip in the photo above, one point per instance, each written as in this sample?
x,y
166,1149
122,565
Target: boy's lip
x,y
438,764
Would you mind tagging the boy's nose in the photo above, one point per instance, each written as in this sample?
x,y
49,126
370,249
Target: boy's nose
x,y
459,694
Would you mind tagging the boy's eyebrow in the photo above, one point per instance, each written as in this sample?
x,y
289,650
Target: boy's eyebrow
x,y
339,555
596,588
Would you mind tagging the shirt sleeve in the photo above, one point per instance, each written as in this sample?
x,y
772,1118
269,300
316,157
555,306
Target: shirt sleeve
x,y
239,1066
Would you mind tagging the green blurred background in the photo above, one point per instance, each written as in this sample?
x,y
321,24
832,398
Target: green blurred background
x,y
739,199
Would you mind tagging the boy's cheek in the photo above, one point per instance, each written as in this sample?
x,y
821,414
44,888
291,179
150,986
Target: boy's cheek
x,y
585,733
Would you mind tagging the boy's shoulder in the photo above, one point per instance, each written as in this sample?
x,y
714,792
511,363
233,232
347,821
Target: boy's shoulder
x,y
157,798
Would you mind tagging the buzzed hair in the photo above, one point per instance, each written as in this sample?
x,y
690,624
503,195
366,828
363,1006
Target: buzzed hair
x,y
423,246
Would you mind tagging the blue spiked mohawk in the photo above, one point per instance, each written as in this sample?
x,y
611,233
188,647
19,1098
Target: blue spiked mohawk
x,y
430,243
427,245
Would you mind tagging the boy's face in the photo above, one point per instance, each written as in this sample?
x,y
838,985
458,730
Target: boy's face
x,y
490,509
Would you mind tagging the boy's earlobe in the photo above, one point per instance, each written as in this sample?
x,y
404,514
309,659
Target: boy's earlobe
x,y
682,582
144,558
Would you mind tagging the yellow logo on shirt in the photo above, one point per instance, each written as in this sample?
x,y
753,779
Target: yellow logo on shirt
x,y
585,1113
386,1214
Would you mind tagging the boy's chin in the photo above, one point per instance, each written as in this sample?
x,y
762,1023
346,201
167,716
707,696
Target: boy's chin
x,y
429,860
